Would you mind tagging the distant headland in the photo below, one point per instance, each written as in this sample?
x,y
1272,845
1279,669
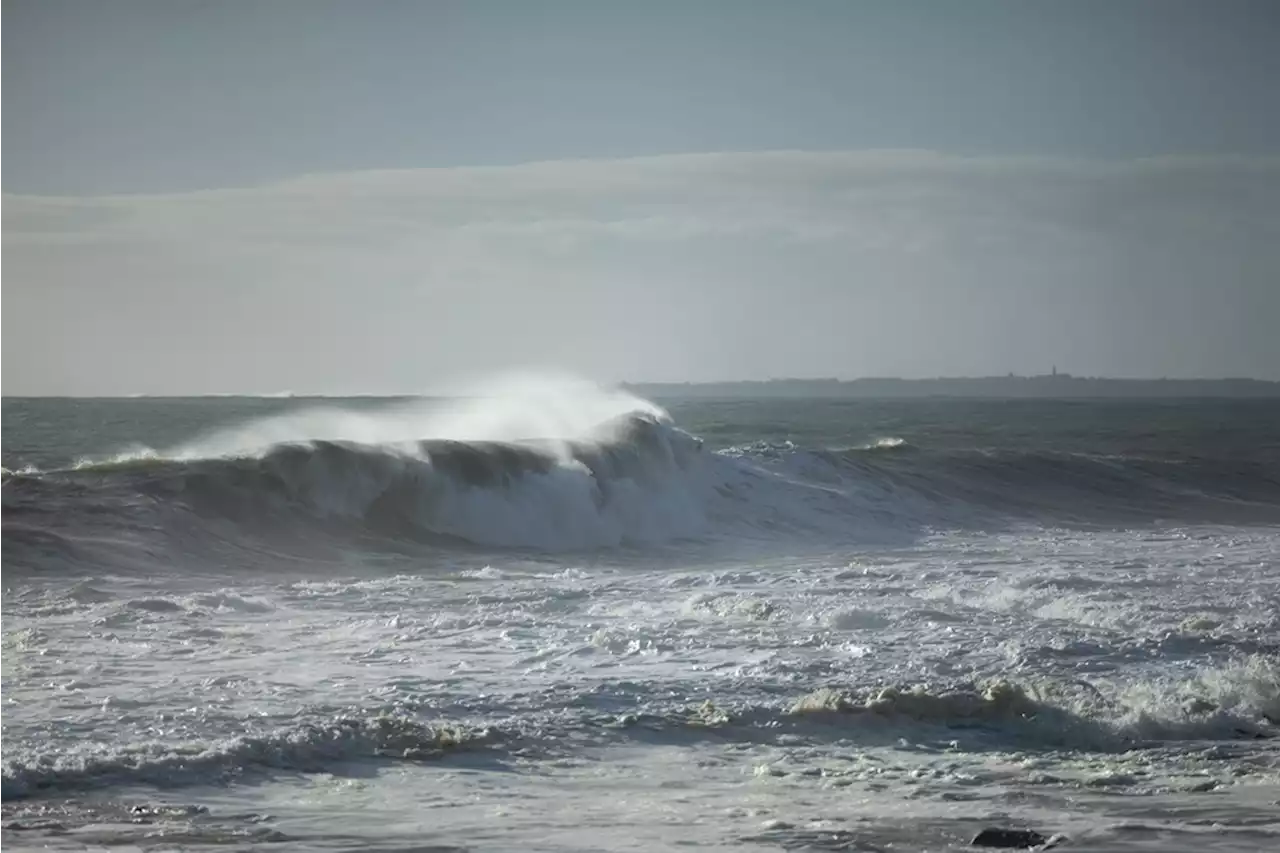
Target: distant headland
x,y
1053,385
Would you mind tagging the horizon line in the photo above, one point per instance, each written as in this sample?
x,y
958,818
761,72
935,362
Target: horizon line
x,y
823,380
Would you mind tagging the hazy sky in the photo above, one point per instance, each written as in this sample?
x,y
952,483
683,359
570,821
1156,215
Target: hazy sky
x,y
374,196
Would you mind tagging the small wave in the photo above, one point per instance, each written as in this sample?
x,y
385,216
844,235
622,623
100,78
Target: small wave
x,y
1239,700
1231,703
309,747
26,471
888,443
1053,486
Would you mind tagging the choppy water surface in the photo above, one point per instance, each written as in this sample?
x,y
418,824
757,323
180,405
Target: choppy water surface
x,y
560,619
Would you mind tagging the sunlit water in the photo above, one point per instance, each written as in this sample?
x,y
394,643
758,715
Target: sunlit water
x,y
1057,616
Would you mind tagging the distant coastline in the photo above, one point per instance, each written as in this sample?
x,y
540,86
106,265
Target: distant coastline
x,y
1055,385
1048,386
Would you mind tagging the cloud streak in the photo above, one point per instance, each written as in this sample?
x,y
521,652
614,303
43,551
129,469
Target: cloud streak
x,y
692,266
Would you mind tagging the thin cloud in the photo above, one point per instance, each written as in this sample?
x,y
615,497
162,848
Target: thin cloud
x,y
551,261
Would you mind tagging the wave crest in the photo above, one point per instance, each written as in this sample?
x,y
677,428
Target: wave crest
x,y
307,747
563,467
636,484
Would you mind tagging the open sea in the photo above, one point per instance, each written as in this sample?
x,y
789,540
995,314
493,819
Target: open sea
x,y
557,618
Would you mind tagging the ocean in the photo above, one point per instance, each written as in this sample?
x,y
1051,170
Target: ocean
x,y
547,616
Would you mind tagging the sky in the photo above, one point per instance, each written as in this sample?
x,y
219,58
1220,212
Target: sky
x,y
376,197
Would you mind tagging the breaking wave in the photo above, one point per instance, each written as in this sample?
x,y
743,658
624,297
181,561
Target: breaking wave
x,y
1239,701
563,470
635,483
309,747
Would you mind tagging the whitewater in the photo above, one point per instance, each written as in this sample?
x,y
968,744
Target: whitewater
x,y
542,615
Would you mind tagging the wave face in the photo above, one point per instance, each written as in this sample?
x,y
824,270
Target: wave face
x,y
558,467
634,487
565,469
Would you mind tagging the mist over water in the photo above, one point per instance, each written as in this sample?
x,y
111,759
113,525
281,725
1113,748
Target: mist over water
x,y
511,407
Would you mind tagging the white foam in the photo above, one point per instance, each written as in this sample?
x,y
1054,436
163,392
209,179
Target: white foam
x,y
564,507
513,407
301,747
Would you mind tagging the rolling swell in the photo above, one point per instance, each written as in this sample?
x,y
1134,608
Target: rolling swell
x,y
638,481
1063,487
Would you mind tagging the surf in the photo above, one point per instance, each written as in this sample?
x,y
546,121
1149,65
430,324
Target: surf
x,y
559,465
